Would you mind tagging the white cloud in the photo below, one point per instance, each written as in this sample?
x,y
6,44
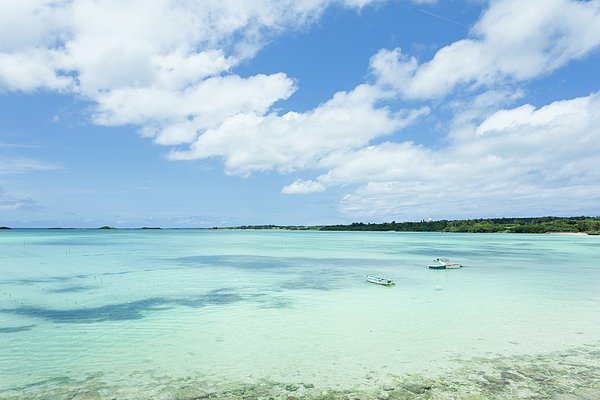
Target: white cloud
x,y
470,111
157,64
383,162
29,71
302,187
513,41
161,65
516,160
510,160
180,114
107,44
562,113
165,67
251,142
392,68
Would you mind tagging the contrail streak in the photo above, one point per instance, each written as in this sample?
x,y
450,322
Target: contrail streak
x,y
444,18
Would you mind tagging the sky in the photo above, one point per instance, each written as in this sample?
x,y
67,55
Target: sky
x,y
181,113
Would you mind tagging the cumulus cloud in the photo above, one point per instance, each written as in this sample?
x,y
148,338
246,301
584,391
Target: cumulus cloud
x,y
513,41
29,71
251,142
514,160
165,67
162,65
179,115
302,187
336,135
509,160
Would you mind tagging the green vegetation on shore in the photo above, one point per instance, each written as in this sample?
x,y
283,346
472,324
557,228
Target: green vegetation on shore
x,y
277,227
589,225
583,225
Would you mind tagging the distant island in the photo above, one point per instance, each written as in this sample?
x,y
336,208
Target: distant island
x,y
572,225
586,225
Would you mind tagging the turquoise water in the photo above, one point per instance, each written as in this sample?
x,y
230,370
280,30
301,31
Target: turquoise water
x,y
278,314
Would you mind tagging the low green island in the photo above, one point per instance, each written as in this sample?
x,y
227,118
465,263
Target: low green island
x,y
582,225
572,225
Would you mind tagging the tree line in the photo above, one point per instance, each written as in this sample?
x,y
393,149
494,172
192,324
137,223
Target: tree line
x,y
590,225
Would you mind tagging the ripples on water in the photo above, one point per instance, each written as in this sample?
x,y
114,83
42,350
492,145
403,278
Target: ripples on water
x,y
189,314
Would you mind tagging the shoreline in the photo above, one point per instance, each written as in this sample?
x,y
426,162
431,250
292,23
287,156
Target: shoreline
x,y
312,229
569,374
567,233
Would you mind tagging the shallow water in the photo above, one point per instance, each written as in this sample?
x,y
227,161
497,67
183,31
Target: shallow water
x,y
261,314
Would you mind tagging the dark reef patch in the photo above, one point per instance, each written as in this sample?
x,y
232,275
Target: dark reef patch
x,y
306,284
243,261
37,281
119,273
17,329
72,289
123,311
236,261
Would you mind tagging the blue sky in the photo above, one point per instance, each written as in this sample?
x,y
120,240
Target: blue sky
x,y
221,113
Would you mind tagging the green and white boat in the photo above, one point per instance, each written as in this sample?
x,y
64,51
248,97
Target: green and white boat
x,y
443,263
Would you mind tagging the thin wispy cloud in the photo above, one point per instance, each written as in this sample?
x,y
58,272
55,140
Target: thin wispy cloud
x,y
19,145
10,203
23,165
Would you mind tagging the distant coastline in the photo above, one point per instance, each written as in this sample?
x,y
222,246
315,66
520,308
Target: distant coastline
x,y
540,225
568,233
545,225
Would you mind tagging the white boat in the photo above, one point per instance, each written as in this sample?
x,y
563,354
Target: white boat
x,y
443,263
379,281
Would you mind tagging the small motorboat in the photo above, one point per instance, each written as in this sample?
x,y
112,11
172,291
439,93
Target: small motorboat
x,y
443,263
379,281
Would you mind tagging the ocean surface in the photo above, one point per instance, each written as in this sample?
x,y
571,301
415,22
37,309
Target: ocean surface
x,y
191,314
